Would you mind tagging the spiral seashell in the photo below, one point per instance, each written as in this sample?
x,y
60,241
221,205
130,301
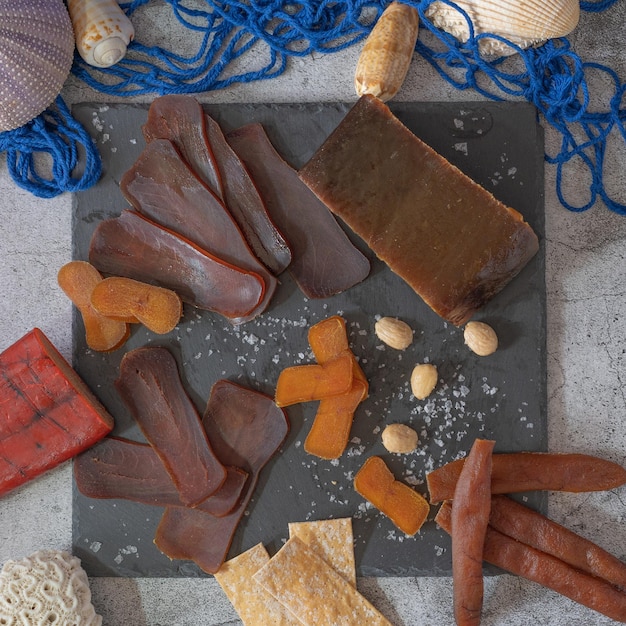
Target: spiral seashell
x,y
36,53
523,22
102,30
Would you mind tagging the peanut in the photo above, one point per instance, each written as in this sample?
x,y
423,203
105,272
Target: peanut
x,y
423,380
399,439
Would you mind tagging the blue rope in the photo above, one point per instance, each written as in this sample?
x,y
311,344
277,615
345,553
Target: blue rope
x,y
552,77
228,30
68,145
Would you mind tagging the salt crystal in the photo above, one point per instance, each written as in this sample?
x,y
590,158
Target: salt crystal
x,y
461,147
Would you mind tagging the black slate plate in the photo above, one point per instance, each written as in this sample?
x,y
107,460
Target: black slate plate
x,y
501,397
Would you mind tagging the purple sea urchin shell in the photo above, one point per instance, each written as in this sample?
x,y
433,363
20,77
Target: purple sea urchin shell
x,y
36,53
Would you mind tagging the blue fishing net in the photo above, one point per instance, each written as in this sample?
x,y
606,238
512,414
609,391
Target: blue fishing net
x,y
552,76
64,143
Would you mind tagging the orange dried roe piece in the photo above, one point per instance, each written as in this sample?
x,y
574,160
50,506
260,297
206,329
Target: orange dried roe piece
x,y
305,383
78,279
406,508
329,339
330,431
133,301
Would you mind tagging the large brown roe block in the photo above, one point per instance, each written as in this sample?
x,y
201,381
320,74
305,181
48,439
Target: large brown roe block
x,y
446,236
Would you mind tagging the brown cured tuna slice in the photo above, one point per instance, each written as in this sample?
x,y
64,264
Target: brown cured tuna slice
x,y
181,120
324,260
246,205
131,245
246,429
161,187
447,237
150,385
119,468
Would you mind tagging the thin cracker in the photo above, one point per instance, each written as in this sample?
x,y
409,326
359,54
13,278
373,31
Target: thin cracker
x,y
331,539
253,604
313,591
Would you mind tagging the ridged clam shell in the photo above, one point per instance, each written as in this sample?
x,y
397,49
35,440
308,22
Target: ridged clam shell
x,y
36,53
523,22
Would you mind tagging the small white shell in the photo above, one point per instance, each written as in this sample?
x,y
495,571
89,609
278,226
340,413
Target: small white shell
x,y
102,29
523,22
36,53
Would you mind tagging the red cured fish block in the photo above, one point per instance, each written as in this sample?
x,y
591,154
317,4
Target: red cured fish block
x,y
47,413
454,243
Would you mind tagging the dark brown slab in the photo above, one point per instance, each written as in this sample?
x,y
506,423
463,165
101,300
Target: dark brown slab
x,y
501,397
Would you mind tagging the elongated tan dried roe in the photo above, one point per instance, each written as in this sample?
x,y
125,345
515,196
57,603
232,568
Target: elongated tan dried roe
x,y
470,516
330,431
523,560
534,529
529,471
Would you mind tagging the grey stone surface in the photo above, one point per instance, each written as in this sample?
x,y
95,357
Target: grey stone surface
x,y
586,264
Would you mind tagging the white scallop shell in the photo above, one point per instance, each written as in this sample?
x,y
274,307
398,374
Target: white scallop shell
x,y
523,22
36,53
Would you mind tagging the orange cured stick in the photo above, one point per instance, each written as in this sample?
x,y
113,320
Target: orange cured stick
x,y
47,413
330,431
306,383
406,508
534,529
518,558
530,471
470,516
